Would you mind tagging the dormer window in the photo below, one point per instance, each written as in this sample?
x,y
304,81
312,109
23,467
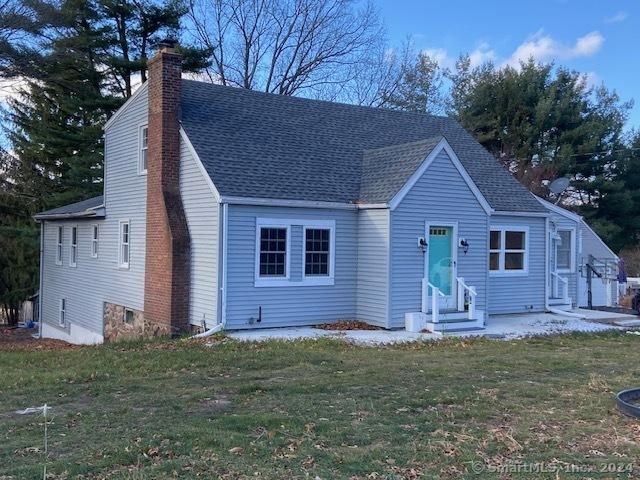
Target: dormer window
x,y
144,146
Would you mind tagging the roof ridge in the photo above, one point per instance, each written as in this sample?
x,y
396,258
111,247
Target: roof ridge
x,y
318,101
405,144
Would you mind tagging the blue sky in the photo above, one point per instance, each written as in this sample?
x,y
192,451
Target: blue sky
x,y
598,38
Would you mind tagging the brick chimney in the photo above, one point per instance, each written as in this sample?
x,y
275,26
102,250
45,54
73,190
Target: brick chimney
x,y
167,261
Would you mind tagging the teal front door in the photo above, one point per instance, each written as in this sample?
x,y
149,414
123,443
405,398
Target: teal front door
x,y
441,261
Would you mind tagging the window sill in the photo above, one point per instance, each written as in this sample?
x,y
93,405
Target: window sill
x,y
59,263
73,265
317,281
285,282
506,273
123,267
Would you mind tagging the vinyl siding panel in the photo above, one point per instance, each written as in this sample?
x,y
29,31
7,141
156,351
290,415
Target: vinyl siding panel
x,y
202,212
441,195
521,293
373,267
296,304
592,244
95,281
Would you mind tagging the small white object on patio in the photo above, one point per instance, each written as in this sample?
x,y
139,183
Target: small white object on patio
x,y
508,327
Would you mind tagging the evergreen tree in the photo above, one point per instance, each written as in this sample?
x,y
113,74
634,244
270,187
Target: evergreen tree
x,y
544,122
76,61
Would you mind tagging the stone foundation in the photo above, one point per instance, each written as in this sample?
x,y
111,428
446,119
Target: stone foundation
x,y
120,326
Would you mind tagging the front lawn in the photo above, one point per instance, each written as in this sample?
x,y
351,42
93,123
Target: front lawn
x,y
324,409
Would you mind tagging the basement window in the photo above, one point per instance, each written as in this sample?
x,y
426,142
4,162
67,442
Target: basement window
x,y
508,250
128,316
62,319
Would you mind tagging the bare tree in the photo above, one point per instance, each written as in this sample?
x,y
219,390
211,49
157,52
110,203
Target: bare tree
x,y
285,46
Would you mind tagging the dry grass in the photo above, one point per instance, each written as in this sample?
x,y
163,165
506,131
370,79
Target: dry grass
x,y
321,409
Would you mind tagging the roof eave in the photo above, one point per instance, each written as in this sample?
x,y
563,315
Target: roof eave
x,y
95,212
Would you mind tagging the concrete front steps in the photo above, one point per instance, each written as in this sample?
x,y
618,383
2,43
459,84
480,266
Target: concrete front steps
x,y
453,322
560,304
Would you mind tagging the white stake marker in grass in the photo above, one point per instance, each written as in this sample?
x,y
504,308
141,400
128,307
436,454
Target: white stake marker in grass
x,y
44,409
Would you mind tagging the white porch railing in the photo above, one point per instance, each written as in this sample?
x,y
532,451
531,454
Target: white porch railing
x,y
557,281
435,299
462,288
436,294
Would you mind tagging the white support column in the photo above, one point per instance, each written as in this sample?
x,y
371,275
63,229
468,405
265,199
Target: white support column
x,y
460,288
472,303
425,295
435,304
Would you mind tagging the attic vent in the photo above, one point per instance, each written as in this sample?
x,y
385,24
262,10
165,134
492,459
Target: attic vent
x,y
438,231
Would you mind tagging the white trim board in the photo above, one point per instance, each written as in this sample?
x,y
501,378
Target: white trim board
x,y
125,105
559,210
503,250
455,239
520,214
442,145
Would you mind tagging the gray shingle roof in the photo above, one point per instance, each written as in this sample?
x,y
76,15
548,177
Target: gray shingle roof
x,y
84,208
385,170
261,145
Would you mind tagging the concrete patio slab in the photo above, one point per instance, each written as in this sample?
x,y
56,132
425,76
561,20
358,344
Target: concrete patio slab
x,y
506,327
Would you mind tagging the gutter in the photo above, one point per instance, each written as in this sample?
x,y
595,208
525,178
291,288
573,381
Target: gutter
x,y
223,289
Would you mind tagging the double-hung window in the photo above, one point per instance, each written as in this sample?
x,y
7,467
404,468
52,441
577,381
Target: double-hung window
x,y
144,147
59,245
318,261
94,241
564,250
124,250
508,252
73,247
272,261
62,318
294,252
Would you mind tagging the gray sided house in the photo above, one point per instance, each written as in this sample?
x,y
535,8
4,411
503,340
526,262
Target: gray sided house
x,y
229,207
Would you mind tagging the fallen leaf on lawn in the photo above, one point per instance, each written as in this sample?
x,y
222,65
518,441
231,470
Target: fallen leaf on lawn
x,y
236,450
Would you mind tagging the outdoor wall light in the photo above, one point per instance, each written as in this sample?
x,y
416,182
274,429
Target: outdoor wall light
x,y
464,245
422,244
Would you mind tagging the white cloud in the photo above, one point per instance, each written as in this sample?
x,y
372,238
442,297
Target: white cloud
x,y
441,56
616,18
545,48
482,54
592,79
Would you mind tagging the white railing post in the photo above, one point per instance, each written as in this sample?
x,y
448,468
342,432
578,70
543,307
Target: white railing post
x,y
472,303
565,290
425,295
435,304
460,288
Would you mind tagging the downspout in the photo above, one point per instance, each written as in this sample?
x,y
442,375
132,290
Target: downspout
x,y
547,272
40,281
223,264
